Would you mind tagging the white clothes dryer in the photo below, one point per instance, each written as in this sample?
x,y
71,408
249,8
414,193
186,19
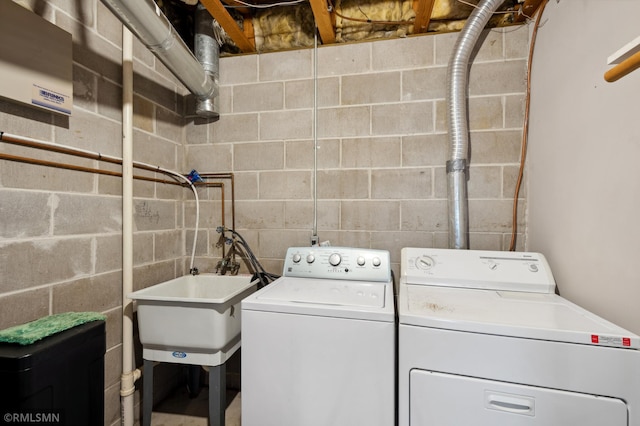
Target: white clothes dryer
x,y
485,341
318,344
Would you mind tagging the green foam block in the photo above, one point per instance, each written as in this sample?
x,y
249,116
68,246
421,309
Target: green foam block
x,y
26,334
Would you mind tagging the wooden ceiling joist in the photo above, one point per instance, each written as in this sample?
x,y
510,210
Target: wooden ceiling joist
x,y
219,13
423,9
528,10
324,21
244,38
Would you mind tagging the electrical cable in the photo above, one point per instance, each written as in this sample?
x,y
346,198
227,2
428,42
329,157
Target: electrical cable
x,y
525,129
267,6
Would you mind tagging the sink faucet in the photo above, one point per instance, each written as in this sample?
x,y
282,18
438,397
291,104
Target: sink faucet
x,y
194,271
228,264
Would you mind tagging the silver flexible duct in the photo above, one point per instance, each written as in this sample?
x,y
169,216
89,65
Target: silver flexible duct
x,y
457,88
207,51
147,22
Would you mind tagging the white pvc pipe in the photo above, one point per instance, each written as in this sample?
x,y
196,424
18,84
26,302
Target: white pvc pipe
x,y
127,380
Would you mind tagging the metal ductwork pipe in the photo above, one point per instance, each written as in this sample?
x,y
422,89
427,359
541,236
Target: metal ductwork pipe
x,y
147,22
207,51
457,88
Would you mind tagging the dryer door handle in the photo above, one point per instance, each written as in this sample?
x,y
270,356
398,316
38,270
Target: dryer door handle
x,y
510,403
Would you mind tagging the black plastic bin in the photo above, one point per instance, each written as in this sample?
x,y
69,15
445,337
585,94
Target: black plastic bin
x,y
58,380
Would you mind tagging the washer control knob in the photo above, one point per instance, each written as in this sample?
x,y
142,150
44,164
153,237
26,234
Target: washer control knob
x,y
533,268
376,261
297,258
311,258
335,259
360,261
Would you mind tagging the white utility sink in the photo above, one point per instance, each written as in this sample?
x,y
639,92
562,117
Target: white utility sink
x,y
192,319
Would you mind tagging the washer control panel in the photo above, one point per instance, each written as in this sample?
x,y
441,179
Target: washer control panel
x,y
480,269
341,263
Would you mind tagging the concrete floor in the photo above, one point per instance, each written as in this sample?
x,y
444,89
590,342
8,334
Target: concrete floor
x,y
180,410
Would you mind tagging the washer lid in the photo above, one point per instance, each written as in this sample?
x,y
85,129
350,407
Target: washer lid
x,y
507,313
339,298
327,292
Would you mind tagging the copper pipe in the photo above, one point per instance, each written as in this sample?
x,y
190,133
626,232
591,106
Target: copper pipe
x,y
60,149
215,185
525,128
233,201
66,166
221,186
32,143
233,196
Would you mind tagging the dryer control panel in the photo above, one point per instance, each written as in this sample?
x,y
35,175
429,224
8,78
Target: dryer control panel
x,y
479,269
338,263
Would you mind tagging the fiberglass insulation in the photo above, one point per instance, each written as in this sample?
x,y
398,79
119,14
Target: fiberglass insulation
x,y
292,27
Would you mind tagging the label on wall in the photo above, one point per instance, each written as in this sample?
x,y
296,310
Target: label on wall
x,y
36,63
48,98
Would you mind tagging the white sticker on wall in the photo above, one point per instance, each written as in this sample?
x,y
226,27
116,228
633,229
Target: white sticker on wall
x,y
51,99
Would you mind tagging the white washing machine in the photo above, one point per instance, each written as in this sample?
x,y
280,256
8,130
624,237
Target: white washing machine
x,y
318,344
485,341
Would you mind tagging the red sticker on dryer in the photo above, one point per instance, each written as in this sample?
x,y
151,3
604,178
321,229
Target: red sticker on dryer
x,y
611,340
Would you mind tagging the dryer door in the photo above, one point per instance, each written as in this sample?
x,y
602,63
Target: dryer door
x,y
438,399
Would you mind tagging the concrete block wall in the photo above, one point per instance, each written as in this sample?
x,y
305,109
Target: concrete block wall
x,y
382,146
61,230
382,143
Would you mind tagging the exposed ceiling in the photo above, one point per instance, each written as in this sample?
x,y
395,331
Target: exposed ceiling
x,y
253,26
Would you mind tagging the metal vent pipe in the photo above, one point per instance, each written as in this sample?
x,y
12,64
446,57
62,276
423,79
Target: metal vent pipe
x,y
147,22
207,51
457,88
